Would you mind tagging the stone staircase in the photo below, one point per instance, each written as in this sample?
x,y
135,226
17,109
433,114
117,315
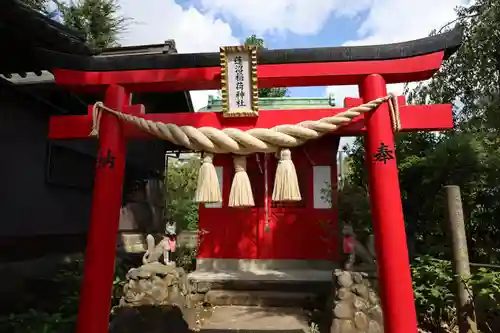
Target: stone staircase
x,y
261,300
301,288
252,319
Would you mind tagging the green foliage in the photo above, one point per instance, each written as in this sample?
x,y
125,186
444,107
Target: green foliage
x,y
266,92
433,289
485,287
52,305
180,188
98,19
185,257
40,5
468,156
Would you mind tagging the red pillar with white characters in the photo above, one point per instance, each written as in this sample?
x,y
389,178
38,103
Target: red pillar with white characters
x,y
394,275
96,292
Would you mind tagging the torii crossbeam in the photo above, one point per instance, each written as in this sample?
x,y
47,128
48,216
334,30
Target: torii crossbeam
x,y
371,68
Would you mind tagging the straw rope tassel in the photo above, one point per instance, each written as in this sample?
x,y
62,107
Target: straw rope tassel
x,y
241,190
266,197
208,190
286,183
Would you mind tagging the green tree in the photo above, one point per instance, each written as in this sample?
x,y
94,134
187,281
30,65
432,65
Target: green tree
x,y
467,156
180,187
40,5
266,92
98,19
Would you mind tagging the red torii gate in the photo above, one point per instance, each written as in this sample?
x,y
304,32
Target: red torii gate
x,y
371,68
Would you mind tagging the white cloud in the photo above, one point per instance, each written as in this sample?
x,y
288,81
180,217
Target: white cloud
x,y
192,31
199,31
303,17
391,21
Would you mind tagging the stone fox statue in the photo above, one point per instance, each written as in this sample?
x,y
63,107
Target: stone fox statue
x,y
163,248
352,248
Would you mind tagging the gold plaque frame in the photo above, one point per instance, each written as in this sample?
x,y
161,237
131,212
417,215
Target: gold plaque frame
x,y
253,111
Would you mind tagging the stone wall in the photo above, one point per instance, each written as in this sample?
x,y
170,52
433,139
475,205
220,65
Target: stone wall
x,y
356,306
162,296
155,284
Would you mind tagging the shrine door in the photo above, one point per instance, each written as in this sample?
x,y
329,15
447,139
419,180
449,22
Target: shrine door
x,y
299,230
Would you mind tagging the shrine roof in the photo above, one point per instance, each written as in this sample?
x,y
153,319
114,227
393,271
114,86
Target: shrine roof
x,y
277,103
24,30
447,42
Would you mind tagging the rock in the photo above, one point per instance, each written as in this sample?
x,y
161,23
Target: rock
x,y
342,326
154,284
357,277
360,303
344,279
356,306
373,298
374,327
360,290
160,269
347,326
197,298
361,321
203,287
171,279
135,274
336,325
343,310
344,294
174,294
376,314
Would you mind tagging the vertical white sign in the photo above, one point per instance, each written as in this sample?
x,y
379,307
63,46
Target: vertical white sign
x,y
239,81
322,179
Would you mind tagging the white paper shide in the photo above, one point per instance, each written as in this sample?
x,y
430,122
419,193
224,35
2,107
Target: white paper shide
x,y
239,82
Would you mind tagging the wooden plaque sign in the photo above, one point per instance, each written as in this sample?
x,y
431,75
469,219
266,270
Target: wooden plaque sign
x,y
239,81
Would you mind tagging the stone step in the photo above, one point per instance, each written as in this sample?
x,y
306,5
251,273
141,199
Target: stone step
x,y
318,287
251,319
287,281
261,298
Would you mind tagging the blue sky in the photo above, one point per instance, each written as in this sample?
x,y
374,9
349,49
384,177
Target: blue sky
x,y
336,31
205,25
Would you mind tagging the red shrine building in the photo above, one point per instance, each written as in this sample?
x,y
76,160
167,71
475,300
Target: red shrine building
x,y
267,234
293,237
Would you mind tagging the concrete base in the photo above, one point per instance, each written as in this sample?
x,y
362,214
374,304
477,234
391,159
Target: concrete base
x,y
262,275
244,319
275,283
253,265
297,288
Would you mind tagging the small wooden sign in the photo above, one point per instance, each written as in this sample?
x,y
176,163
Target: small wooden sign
x,y
239,91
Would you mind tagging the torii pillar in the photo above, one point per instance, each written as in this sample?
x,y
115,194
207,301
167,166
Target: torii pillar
x,y
96,291
395,281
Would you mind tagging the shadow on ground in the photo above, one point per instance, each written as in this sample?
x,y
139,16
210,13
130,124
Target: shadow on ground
x,y
150,319
171,319
252,331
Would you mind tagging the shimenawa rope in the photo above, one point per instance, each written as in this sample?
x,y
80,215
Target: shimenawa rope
x,y
231,140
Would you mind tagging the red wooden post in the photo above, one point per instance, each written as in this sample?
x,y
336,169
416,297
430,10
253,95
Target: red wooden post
x,y
387,215
95,297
